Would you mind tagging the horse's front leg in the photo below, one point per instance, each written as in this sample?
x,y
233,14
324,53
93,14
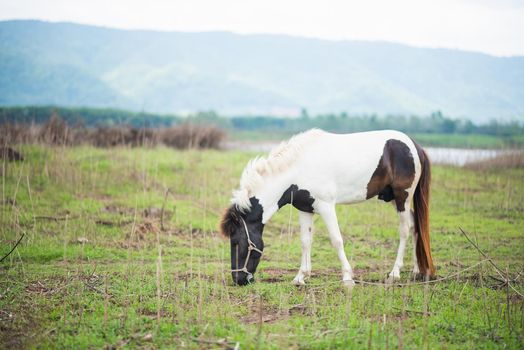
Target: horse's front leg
x,y
306,238
329,215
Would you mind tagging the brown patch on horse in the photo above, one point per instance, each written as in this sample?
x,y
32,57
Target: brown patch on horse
x,y
394,174
230,221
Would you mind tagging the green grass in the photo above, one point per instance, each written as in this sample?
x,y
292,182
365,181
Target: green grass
x,y
116,290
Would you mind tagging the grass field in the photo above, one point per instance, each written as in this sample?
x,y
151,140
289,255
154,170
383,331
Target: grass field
x,y
120,249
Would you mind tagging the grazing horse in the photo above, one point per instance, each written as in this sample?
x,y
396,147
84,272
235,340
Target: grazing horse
x,y
316,170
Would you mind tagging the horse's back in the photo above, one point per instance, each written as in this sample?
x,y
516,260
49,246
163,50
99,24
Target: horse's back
x,y
339,167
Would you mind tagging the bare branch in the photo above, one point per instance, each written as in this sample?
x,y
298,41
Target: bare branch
x,y
14,247
502,274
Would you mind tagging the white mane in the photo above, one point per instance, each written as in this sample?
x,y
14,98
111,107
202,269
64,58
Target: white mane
x,y
279,159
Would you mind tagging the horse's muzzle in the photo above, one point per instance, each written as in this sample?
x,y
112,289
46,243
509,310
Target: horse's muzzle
x,y
242,278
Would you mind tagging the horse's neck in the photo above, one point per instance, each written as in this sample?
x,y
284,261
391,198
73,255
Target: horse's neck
x,y
273,189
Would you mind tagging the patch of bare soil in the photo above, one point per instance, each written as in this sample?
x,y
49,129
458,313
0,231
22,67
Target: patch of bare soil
x,y
272,280
399,315
114,209
192,275
263,313
144,231
18,327
152,313
20,323
155,213
195,232
279,273
276,275
151,212
59,284
42,288
146,228
9,201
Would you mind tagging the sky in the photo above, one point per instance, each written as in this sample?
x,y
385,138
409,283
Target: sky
x,y
495,27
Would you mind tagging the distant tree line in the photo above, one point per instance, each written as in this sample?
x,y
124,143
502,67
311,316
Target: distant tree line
x,y
91,117
84,116
435,123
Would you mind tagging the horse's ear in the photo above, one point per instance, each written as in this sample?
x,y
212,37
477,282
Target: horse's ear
x,y
230,221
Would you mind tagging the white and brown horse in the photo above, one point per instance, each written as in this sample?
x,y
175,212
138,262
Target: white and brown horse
x,y
316,170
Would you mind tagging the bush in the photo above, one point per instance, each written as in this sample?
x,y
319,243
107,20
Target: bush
x,y
194,136
56,132
11,134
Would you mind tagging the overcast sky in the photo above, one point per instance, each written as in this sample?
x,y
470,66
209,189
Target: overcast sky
x,y
495,27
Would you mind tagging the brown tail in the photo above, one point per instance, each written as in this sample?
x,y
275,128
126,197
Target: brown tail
x,y
421,209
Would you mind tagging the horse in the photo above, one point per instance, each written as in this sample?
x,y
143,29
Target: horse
x,y
316,170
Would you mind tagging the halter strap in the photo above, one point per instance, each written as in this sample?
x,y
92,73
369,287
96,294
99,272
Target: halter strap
x,y
251,246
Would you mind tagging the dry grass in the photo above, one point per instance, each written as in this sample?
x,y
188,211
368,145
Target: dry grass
x,y
57,132
514,160
192,136
116,136
11,134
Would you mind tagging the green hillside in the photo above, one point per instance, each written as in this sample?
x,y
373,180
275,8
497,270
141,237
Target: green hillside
x,y
171,72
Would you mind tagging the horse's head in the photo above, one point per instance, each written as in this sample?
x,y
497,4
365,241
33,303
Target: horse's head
x,y
244,229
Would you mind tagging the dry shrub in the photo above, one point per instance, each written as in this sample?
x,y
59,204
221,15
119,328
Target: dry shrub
x,y
143,137
106,137
55,132
513,160
11,134
10,154
118,136
181,137
193,136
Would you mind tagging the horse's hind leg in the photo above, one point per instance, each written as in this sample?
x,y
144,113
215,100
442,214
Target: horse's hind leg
x,y
416,270
306,238
328,213
405,225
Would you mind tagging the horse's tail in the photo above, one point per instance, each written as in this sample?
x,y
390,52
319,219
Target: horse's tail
x,y
421,216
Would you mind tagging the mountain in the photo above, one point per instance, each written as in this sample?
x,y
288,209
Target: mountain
x,y
172,72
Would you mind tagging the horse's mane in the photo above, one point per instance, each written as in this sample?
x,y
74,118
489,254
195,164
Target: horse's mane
x,y
278,160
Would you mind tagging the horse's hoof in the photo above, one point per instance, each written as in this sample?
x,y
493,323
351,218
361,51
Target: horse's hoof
x,y
395,274
392,279
299,282
349,284
418,276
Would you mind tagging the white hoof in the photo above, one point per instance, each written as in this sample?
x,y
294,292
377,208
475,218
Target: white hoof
x,y
395,274
349,284
299,281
